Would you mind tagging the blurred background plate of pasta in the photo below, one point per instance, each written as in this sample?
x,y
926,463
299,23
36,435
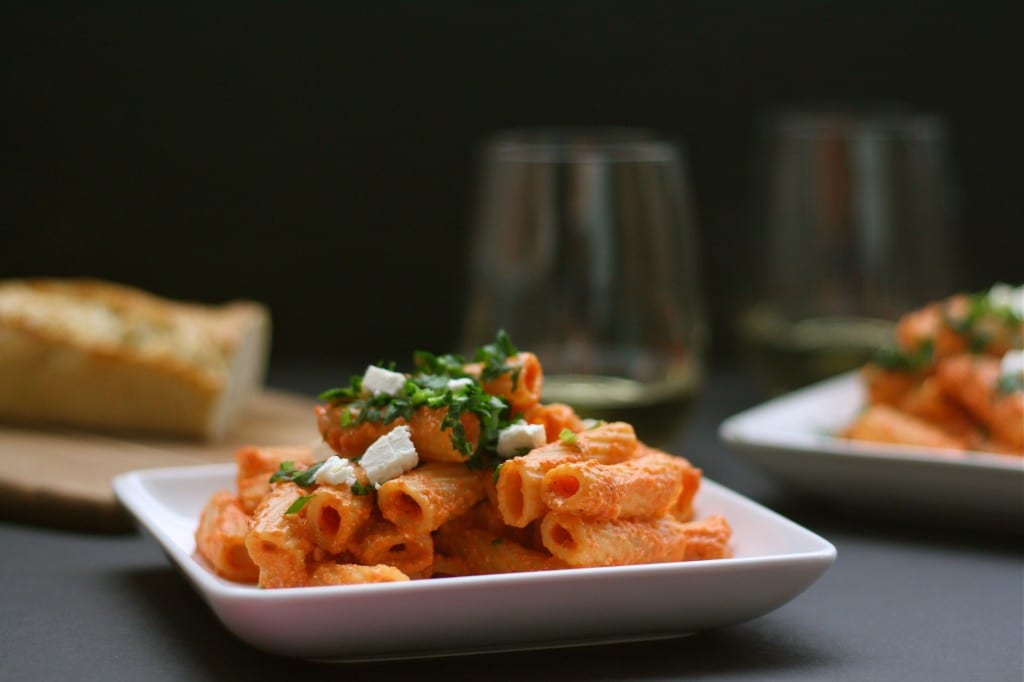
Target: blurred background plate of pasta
x,y
932,424
794,439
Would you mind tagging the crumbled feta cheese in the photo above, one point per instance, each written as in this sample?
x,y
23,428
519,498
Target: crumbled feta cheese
x,y
516,437
390,456
459,384
1005,296
1012,365
378,380
336,471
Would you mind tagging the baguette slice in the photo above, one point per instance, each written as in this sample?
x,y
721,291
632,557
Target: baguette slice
x,y
104,356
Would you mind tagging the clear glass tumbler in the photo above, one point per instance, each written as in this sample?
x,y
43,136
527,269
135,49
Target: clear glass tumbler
x,y
857,221
585,252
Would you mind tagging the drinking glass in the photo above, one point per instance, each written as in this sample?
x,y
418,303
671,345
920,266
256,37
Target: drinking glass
x,y
585,253
857,214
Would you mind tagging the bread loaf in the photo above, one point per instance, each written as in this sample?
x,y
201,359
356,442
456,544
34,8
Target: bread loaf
x,y
104,356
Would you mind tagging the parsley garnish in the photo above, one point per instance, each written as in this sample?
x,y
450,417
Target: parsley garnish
x,y
428,387
350,392
1010,383
496,541
304,478
567,436
298,504
495,357
440,365
361,489
901,361
981,306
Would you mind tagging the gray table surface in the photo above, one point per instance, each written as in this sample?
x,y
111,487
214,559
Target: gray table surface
x,y
906,600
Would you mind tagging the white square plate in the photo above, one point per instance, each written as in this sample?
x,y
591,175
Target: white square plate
x,y
792,437
775,560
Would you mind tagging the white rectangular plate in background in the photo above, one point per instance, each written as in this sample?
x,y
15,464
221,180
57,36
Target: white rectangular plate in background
x,y
793,438
775,560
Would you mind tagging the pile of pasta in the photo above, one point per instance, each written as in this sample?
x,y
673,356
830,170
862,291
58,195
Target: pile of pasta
x,y
955,380
581,494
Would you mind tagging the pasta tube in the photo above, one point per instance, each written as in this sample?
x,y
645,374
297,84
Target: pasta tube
x,y
973,381
428,496
220,538
331,573
707,539
277,542
646,486
608,443
554,417
579,542
256,465
334,514
475,551
382,542
352,440
884,424
521,479
433,442
928,401
682,510
521,389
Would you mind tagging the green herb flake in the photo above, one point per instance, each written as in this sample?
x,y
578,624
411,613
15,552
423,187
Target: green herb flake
x,y
350,392
304,478
446,366
496,541
298,504
494,357
567,436
1010,383
428,387
901,361
361,488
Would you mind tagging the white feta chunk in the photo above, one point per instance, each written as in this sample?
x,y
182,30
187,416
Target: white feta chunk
x,y
335,471
1006,296
390,456
378,380
455,385
1012,366
517,437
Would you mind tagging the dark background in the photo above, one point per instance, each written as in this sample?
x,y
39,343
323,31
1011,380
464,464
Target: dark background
x,y
322,158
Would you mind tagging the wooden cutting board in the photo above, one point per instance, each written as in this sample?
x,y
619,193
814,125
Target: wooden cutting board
x,y
62,477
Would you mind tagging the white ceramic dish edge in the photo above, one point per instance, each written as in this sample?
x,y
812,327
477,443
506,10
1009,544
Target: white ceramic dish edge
x,y
775,561
791,437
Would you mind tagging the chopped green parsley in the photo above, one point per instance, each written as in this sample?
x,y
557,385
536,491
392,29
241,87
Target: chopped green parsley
x,y
298,504
429,386
304,478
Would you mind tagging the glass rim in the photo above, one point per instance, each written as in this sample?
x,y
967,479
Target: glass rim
x,y
575,144
828,122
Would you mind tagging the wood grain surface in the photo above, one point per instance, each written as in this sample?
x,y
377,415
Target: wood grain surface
x,y
62,478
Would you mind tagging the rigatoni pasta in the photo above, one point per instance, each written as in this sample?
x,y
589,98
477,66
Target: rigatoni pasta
x,y
220,538
333,515
954,380
645,486
582,542
453,469
430,495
